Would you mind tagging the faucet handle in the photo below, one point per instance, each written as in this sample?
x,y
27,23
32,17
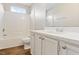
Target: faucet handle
x,y
3,29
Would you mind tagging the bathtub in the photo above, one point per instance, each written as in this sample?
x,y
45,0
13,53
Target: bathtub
x,y
8,42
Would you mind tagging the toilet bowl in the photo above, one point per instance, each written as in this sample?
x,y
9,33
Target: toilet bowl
x,y
26,42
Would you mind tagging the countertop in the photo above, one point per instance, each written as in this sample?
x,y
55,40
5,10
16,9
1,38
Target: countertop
x,y
71,37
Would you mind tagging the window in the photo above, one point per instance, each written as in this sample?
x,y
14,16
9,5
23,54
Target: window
x,y
18,9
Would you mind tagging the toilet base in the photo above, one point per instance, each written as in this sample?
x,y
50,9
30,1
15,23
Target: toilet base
x,y
26,47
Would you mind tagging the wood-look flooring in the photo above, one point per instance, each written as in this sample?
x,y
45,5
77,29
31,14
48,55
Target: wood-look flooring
x,y
19,50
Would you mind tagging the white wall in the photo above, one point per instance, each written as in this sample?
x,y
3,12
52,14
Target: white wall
x,y
70,12
38,15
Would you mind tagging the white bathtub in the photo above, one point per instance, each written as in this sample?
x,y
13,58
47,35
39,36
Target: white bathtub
x,y
7,42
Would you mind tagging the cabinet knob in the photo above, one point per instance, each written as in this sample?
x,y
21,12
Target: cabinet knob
x,y
64,47
40,38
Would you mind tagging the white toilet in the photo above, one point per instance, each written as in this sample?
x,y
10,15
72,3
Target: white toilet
x,y
26,42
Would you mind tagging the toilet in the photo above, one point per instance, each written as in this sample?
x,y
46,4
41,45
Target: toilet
x,y
26,42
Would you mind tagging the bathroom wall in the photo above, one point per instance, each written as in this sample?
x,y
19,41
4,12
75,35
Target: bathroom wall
x,y
65,29
38,15
68,13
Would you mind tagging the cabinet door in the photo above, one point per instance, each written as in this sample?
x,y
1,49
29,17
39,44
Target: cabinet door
x,y
62,50
32,43
38,44
68,49
72,50
49,46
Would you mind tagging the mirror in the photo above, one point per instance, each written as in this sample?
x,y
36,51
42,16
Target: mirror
x,y
63,14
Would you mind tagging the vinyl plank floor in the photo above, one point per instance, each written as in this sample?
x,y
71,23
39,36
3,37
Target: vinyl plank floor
x,y
19,50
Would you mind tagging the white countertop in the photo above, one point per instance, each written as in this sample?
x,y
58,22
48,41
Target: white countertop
x,y
71,37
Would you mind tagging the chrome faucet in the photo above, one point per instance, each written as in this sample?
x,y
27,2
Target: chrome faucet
x,y
3,30
59,29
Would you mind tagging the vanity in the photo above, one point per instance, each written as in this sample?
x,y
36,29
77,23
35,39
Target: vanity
x,y
54,43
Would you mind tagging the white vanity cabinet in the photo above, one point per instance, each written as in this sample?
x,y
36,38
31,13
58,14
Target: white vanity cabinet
x,y
32,43
68,49
38,44
42,45
49,46
35,44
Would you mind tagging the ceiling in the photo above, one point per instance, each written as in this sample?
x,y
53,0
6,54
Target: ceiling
x,y
26,4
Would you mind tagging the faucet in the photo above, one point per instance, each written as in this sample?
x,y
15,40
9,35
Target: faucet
x,y
3,30
59,29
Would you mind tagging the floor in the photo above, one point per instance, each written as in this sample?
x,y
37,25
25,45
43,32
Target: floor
x,y
19,50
